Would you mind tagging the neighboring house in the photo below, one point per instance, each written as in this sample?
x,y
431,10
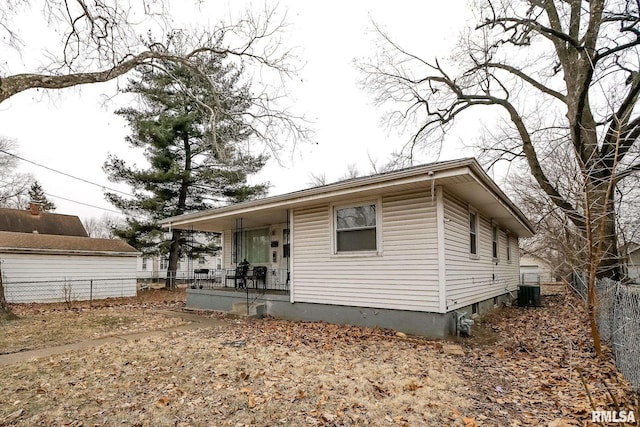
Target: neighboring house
x,y
408,250
631,254
48,257
534,269
33,220
154,268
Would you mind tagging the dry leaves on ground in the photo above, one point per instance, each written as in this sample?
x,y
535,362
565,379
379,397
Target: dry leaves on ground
x,y
521,368
45,325
267,372
530,373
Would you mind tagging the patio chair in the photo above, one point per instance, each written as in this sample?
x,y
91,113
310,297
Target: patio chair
x,y
238,275
259,275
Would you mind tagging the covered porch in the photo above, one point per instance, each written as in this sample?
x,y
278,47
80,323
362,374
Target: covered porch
x,y
256,252
230,279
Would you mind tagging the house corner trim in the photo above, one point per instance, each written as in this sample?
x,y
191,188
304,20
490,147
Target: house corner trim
x,y
440,230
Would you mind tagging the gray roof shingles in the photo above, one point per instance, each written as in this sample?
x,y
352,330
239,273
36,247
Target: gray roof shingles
x,y
47,242
23,221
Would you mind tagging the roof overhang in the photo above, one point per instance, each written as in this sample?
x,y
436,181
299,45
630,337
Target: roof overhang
x,y
463,178
7,250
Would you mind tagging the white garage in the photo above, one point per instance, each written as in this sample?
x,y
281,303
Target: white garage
x,y
52,268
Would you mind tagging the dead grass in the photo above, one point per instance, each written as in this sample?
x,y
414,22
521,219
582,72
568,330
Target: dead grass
x,y
45,325
519,369
261,373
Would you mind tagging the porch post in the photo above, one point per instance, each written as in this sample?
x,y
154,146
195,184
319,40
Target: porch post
x,y
238,252
290,259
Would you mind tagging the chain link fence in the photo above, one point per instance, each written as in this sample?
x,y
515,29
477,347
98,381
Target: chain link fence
x,y
618,317
21,291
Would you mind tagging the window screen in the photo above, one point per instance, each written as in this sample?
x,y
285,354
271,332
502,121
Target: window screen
x,y
356,228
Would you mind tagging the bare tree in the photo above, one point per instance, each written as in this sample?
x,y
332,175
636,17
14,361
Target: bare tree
x,y
104,39
317,179
102,227
14,186
561,75
352,172
557,239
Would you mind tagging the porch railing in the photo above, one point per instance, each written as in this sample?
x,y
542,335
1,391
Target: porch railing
x,y
277,279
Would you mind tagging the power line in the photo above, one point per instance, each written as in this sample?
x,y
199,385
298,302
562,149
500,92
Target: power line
x,y
82,203
104,187
68,200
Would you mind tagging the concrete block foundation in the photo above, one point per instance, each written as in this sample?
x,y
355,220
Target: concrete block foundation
x,y
435,325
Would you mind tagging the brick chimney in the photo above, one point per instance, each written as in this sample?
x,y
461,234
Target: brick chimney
x,y
34,208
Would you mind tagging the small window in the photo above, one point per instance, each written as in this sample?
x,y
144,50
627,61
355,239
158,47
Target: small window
x,y
201,261
356,229
473,233
508,248
495,235
144,263
286,246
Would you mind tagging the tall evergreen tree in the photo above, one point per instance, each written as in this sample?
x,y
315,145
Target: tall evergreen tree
x,y
194,163
36,195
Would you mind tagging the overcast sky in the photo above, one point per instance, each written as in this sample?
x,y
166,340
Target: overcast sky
x,y
74,130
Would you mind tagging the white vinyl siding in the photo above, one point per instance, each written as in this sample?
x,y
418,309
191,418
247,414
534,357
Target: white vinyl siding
x,y
42,278
404,275
227,248
471,280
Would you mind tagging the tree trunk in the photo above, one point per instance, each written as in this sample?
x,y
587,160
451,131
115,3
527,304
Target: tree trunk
x,y
609,258
5,310
174,256
592,309
176,238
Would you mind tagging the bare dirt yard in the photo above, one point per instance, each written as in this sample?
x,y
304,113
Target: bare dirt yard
x,y
529,366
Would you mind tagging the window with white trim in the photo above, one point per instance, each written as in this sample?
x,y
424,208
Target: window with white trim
x,y
495,236
473,233
356,228
508,248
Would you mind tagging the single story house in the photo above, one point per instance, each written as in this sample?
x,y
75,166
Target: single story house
x,y
409,249
35,221
47,257
154,268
